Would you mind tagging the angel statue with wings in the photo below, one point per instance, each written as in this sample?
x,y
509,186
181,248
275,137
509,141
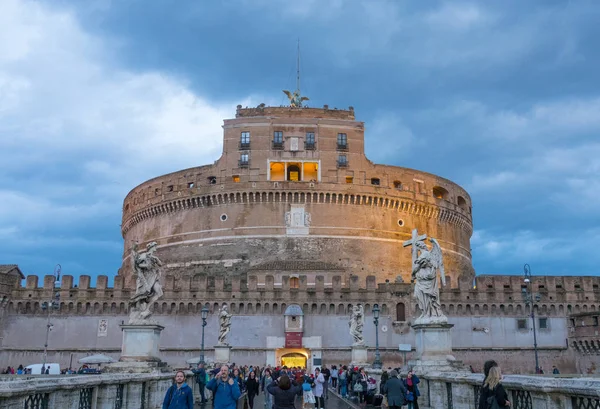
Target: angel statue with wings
x,y
426,263
295,98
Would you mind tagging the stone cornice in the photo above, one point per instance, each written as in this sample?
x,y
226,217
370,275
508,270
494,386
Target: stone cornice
x,y
402,205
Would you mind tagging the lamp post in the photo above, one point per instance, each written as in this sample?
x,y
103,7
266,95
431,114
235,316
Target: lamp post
x,y
54,303
377,363
204,316
530,300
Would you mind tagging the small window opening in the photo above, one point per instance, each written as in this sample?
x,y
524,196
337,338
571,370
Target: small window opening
x,y
543,323
375,181
190,185
212,180
506,286
521,323
349,179
170,188
236,178
397,185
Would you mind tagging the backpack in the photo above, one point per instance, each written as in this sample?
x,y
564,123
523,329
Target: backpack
x,y
492,403
306,386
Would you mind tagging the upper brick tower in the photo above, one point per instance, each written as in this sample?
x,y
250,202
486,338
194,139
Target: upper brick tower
x,y
294,186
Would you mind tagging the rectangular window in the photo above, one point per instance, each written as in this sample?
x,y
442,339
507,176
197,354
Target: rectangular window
x,y
342,141
245,139
278,140
522,323
342,161
190,185
349,179
572,322
243,160
309,142
170,188
236,178
595,321
375,181
543,323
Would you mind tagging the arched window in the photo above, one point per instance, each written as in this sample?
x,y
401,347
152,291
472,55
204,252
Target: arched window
x,y
440,193
294,282
400,312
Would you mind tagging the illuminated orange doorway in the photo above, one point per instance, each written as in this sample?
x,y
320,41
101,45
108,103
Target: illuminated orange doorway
x,y
293,359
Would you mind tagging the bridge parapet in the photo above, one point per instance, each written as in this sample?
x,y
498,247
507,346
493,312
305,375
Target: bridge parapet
x,y
454,390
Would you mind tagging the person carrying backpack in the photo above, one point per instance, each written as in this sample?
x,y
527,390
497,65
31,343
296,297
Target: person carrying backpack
x,y
493,395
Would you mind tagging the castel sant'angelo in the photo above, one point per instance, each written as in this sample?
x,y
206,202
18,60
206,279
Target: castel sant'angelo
x,y
293,214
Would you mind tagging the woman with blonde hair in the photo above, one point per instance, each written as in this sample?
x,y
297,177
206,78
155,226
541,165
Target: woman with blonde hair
x,y
493,395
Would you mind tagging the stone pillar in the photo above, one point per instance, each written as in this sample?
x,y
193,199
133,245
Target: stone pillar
x,y
222,354
359,355
434,348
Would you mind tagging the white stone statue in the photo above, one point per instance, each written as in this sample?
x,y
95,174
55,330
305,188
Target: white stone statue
x,y
356,323
224,324
425,266
147,270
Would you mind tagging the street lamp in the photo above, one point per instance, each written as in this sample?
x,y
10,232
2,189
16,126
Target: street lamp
x,y
54,303
377,363
530,300
204,316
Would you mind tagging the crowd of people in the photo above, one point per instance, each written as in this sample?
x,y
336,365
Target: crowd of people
x,y
284,387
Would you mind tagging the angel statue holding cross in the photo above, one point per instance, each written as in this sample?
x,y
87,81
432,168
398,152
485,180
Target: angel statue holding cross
x,y
425,265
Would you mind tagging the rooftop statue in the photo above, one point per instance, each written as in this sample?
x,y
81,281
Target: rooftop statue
x,y
356,323
295,98
425,265
224,324
147,270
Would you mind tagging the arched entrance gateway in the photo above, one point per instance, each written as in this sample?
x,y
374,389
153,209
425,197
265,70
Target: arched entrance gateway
x,y
293,359
294,349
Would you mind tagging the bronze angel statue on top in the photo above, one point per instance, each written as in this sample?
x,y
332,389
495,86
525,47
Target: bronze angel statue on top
x,y
295,98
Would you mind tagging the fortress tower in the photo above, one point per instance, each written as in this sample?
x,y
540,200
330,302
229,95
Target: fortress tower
x,y
293,192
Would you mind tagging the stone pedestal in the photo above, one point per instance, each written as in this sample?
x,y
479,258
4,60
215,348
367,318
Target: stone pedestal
x,y
434,348
359,355
140,343
139,350
222,354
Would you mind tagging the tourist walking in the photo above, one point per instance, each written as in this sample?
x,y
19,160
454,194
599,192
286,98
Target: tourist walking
x,y
493,395
265,381
179,395
343,381
327,375
411,383
395,391
284,392
362,380
225,390
318,392
252,388
200,374
308,397
334,377
555,370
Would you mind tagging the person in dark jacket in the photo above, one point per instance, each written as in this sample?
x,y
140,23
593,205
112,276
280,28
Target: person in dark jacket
x,y
284,393
200,373
252,387
487,366
412,385
179,395
395,391
493,389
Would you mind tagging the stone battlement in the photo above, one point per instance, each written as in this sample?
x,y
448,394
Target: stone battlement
x,y
289,112
560,295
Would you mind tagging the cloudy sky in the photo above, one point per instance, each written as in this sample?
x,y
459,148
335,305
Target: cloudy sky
x,y
502,97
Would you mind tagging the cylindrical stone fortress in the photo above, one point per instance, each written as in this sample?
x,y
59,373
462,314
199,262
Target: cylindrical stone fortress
x,y
293,192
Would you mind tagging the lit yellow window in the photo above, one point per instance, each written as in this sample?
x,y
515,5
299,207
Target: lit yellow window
x,y
236,178
349,179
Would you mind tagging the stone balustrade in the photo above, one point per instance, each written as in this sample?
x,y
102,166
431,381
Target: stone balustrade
x,y
461,391
106,391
